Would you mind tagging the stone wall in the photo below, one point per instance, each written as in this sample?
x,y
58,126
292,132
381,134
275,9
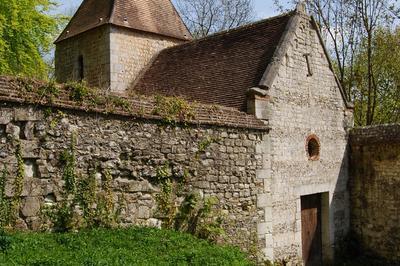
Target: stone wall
x,y
374,187
113,57
131,51
94,48
303,101
133,149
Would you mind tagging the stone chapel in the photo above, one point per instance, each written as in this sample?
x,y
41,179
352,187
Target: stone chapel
x,y
277,70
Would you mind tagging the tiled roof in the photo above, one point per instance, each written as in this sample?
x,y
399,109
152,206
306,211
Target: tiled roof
x,y
156,16
218,69
15,90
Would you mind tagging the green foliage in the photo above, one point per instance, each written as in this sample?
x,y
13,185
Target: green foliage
x,y
27,31
205,143
194,215
133,246
86,198
78,91
381,105
105,215
119,102
5,241
108,195
62,216
49,91
167,195
172,109
68,160
200,217
55,119
18,182
81,193
4,201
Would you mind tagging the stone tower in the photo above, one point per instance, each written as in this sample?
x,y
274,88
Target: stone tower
x,y
108,43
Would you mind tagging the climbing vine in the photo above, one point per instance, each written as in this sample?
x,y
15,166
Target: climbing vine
x,y
195,215
86,198
18,182
4,201
96,208
166,197
69,172
109,214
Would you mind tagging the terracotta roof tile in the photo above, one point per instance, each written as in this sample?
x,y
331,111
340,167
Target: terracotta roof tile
x,y
218,69
15,90
156,16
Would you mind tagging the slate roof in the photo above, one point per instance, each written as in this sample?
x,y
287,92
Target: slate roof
x,y
218,69
155,16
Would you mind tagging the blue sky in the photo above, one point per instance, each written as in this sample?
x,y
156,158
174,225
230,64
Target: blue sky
x,y
264,8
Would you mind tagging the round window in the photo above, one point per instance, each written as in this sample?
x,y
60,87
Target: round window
x,y
313,147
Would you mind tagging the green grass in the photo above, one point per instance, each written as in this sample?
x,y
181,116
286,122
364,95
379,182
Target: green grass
x,y
134,246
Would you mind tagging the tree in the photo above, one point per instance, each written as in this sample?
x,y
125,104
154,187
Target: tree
x,y
385,62
372,14
204,17
27,31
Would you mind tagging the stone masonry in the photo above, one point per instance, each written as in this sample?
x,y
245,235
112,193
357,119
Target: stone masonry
x,y
133,149
374,187
113,57
130,52
94,47
301,101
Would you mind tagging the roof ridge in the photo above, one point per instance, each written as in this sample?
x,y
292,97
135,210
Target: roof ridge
x,y
70,21
111,15
153,16
180,17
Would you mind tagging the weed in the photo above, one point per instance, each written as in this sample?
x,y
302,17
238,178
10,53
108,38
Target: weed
x,y
172,109
78,91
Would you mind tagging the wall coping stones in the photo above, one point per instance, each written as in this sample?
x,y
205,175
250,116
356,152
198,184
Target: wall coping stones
x,y
380,134
13,89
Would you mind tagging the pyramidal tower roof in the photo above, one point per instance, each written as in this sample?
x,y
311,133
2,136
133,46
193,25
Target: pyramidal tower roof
x,y
155,16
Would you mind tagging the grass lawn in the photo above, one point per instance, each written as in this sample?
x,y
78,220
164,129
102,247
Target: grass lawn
x,y
134,246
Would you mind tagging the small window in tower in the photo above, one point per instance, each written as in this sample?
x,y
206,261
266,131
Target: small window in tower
x,y
313,148
81,71
309,67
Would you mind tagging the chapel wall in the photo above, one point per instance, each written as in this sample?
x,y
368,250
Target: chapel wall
x,y
302,104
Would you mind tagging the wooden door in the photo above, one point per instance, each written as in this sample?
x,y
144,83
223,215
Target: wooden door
x,y
311,229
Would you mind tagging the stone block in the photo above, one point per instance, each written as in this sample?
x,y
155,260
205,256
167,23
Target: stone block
x,y
264,228
29,130
268,254
13,130
264,200
143,212
30,206
27,114
264,174
30,149
6,116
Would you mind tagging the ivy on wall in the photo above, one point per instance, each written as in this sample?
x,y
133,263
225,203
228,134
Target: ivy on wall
x,y
4,201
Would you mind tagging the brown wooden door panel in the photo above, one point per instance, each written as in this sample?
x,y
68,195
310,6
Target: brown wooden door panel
x,y
311,229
